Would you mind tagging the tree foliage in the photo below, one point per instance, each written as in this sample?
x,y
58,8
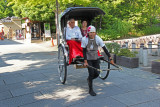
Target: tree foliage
x,y
33,9
121,18
40,9
126,17
5,10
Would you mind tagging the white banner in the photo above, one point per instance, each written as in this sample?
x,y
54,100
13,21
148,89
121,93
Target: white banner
x,y
47,30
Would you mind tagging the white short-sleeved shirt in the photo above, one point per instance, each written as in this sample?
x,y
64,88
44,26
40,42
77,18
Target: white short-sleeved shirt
x,y
73,33
99,41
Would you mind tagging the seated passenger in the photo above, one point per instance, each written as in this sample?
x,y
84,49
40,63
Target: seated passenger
x,y
84,28
73,32
73,39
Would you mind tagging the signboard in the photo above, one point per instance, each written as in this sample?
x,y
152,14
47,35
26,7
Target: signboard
x,y
47,30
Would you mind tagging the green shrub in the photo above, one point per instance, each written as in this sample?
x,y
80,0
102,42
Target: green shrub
x,y
108,34
122,27
109,47
113,47
151,30
119,29
127,53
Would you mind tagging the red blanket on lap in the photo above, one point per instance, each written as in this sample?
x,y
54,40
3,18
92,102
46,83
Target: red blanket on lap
x,y
75,50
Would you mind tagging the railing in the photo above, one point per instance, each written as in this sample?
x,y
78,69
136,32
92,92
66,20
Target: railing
x,y
144,51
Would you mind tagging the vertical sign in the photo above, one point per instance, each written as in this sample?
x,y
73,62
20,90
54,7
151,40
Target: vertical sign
x,y
47,30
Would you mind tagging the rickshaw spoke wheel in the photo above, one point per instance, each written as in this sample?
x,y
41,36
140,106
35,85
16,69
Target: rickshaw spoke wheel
x,y
103,75
62,66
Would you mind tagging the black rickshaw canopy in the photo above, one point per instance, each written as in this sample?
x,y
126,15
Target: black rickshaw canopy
x,y
80,13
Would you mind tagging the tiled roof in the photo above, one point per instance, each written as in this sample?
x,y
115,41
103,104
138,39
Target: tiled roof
x,y
8,19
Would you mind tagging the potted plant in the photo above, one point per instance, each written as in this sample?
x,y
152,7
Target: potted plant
x,y
156,66
127,58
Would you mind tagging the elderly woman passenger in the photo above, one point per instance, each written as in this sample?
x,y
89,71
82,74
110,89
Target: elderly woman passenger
x,y
73,32
73,39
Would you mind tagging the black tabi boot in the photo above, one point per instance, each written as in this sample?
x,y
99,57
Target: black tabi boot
x,y
91,92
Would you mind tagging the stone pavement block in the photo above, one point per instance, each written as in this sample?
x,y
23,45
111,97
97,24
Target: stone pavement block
x,y
33,88
132,79
18,85
27,76
44,103
101,102
1,81
9,76
4,64
105,91
22,91
20,100
5,95
116,73
136,97
33,70
109,90
154,103
115,80
68,100
15,80
79,81
41,81
73,76
137,85
67,96
51,74
9,73
3,88
140,73
51,92
40,69
33,75
102,83
14,86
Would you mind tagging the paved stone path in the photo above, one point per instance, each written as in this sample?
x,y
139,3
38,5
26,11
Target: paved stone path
x,y
29,78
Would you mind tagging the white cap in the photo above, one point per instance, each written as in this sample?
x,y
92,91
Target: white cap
x,y
91,29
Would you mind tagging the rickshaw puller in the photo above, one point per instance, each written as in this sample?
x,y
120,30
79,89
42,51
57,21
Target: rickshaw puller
x,y
90,52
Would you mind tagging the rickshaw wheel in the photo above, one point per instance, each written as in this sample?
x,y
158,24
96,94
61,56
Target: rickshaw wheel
x,y
62,65
103,75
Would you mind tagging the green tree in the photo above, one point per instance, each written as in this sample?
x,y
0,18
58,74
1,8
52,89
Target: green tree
x,y
5,10
122,16
41,10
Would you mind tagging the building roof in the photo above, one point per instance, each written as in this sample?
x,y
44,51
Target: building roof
x,y
8,19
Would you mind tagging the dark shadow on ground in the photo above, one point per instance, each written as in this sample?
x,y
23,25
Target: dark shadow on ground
x,y
8,42
43,58
3,64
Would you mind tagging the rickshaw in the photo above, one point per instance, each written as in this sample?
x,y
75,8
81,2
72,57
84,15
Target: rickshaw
x,y
78,13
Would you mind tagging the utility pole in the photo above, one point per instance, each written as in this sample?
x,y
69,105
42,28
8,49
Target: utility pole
x,y
57,26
